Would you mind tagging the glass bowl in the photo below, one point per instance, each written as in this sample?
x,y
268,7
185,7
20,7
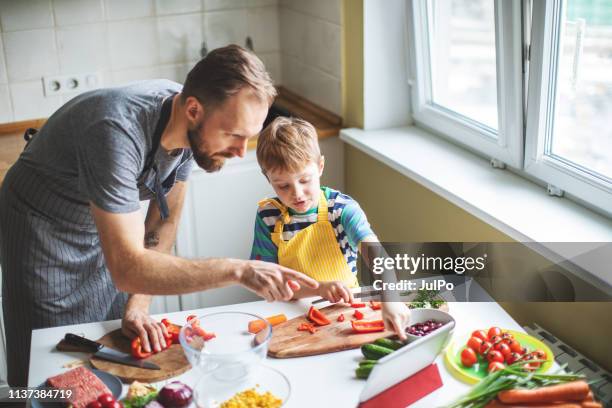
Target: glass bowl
x,y
233,349
212,390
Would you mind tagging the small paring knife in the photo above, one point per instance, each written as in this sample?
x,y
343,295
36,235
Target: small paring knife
x,y
102,352
357,295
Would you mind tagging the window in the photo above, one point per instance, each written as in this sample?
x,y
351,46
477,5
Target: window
x,y
468,83
529,85
569,134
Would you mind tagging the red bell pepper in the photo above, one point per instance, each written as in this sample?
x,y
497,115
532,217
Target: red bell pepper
x,y
375,305
173,331
357,305
195,322
367,326
317,317
358,315
341,317
137,351
198,331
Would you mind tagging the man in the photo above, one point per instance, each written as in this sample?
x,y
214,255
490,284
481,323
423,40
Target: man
x,y
72,241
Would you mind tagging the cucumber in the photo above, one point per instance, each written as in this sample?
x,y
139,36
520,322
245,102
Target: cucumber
x,y
364,371
388,343
367,362
375,352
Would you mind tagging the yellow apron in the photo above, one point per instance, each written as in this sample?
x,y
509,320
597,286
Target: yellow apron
x,y
314,250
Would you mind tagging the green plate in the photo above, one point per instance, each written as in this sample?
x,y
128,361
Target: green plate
x,y
478,371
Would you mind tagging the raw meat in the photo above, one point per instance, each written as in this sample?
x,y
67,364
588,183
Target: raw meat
x,y
84,384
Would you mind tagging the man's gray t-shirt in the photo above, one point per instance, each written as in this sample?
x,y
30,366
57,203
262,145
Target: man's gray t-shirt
x,y
94,149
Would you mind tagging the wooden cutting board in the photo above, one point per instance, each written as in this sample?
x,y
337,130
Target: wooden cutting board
x,y
172,361
288,342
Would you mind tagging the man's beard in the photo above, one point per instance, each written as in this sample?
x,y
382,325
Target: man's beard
x,y
200,151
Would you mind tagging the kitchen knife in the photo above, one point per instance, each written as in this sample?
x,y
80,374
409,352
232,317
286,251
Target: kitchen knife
x,y
102,352
356,295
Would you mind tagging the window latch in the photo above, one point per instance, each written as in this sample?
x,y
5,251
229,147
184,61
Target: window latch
x,y
497,164
554,191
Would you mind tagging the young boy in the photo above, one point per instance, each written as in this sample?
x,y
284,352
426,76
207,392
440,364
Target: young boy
x,y
313,229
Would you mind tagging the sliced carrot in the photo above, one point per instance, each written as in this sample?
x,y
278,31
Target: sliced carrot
x,y
571,391
255,326
496,404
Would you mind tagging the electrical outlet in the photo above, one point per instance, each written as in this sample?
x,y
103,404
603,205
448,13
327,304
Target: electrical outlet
x,y
76,83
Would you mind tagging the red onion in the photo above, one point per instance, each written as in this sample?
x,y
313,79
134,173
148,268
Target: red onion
x,y
175,394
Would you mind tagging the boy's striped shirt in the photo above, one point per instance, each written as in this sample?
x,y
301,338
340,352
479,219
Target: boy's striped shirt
x,y
348,221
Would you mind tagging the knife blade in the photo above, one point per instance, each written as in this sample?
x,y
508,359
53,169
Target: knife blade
x,y
356,295
101,351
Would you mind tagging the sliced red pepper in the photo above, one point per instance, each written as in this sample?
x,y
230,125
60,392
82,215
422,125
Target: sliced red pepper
x,y
357,305
367,326
193,320
198,331
341,317
375,305
137,351
317,317
307,327
358,315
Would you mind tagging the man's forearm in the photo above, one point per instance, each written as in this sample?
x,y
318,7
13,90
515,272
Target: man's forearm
x,y
154,273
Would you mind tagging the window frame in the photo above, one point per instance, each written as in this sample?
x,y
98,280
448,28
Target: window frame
x,y
541,99
508,147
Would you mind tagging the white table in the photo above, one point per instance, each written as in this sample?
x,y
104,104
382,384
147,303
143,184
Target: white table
x,y
317,381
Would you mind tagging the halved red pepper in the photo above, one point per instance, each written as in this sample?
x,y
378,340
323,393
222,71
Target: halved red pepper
x,y
375,305
357,305
173,331
358,315
367,326
137,351
317,317
341,317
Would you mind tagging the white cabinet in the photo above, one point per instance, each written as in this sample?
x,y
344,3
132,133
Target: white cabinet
x,y
218,220
219,215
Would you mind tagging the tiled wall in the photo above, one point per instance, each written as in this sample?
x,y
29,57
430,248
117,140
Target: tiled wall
x,y
124,40
311,33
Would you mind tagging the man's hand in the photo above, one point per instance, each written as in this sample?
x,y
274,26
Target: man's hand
x,y
272,281
335,292
138,323
396,316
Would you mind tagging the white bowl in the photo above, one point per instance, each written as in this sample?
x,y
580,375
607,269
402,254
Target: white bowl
x,y
423,315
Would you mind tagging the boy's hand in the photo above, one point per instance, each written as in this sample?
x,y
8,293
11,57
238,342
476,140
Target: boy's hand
x,y
272,281
335,292
396,316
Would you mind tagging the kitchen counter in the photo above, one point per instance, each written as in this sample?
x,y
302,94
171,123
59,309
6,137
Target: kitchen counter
x,y
326,380
326,123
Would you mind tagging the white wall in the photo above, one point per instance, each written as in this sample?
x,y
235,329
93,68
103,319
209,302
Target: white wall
x,y
311,44
124,40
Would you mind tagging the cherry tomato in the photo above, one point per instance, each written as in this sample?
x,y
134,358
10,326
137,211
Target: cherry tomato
x,y
539,354
530,367
481,334
474,343
495,366
494,355
515,346
503,348
94,404
484,347
105,399
496,340
512,358
468,357
507,336
493,331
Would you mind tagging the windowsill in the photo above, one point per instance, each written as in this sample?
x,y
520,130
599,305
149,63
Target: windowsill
x,y
513,205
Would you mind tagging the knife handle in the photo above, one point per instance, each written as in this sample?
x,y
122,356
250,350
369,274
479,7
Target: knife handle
x,y
82,343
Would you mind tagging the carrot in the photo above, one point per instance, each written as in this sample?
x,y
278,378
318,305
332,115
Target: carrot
x,y
591,404
255,326
496,404
570,391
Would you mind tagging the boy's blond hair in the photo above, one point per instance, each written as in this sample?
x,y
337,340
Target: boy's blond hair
x,y
287,144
